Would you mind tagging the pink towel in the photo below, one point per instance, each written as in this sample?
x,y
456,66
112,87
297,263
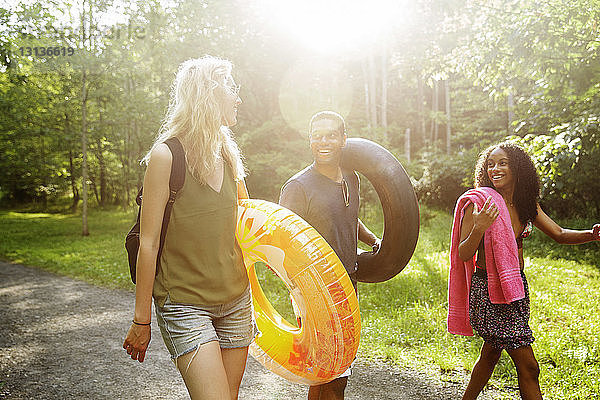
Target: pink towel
x,y
502,262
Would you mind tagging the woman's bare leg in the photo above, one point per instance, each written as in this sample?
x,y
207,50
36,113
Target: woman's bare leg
x,y
482,371
204,374
528,372
234,362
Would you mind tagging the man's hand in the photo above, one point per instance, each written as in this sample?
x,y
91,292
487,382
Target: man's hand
x,y
596,231
376,245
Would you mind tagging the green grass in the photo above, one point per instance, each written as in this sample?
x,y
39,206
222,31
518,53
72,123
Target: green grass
x,y
54,242
404,319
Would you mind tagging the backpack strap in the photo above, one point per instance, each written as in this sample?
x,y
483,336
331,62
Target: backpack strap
x,y
176,181
177,177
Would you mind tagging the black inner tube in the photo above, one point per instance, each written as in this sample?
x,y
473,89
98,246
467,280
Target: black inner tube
x,y
400,209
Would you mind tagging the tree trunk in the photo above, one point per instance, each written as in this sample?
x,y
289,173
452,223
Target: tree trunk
x,y
127,156
384,83
102,168
94,187
74,190
137,131
436,109
448,122
511,113
367,97
84,166
407,144
128,150
101,160
73,185
431,118
123,188
45,178
372,91
420,107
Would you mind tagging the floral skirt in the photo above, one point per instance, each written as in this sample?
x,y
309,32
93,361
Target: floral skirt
x,y
504,326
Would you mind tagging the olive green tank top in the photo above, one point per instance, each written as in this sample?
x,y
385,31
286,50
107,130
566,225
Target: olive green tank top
x,y
201,262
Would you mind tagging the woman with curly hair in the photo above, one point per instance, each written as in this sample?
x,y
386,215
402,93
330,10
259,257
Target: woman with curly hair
x,y
488,290
199,282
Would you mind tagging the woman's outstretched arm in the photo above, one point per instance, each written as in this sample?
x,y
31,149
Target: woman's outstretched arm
x,y
562,235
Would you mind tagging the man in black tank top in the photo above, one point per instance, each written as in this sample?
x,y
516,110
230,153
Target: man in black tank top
x,y
327,197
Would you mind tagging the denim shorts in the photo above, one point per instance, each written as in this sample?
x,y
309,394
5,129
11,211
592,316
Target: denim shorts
x,y
185,327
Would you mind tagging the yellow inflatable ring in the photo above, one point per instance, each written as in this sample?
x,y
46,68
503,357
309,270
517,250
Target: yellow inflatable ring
x,y
326,343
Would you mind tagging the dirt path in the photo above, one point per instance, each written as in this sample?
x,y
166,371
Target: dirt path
x,y
61,339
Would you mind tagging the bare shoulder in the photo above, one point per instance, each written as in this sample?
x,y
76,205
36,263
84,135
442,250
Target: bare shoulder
x,y
159,167
161,155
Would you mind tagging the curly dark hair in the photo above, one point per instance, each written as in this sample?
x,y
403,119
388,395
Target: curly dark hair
x,y
527,182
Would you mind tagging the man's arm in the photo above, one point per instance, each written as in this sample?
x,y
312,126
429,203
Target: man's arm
x,y
368,237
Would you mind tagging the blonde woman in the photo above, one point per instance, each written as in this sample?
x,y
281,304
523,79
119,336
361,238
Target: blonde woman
x,y
201,292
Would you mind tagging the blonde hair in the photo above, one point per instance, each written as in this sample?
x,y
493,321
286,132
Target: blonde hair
x,y
195,117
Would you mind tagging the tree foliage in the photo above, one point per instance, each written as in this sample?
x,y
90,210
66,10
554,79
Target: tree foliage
x,y
519,68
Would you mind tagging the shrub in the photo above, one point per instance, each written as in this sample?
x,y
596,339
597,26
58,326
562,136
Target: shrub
x,y
568,163
444,178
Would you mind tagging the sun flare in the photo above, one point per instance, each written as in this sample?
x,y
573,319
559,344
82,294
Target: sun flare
x,y
335,25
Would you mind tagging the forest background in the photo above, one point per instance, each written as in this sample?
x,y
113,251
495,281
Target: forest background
x,y
433,81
